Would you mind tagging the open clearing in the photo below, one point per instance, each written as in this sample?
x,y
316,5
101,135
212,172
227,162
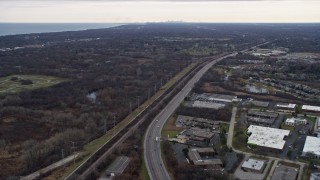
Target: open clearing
x,y
14,83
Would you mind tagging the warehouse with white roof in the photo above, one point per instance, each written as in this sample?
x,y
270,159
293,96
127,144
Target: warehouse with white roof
x,y
312,147
269,138
311,109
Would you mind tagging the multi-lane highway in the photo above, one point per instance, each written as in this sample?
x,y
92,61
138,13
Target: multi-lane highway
x,y
152,152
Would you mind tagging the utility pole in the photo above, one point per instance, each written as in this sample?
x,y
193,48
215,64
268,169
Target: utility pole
x,y
161,82
62,154
74,155
138,102
155,88
130,107
114,122
149,93
105,125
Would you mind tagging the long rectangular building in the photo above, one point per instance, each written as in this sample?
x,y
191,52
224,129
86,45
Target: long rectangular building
x,y
284,107
315,110
261,118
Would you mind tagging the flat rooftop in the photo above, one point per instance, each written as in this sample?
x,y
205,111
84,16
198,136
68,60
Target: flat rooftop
x,y
283,172
261,120
267,137
260,103
200,133
253,164
295,119
312,145
118,165
263,114
214,97
285,105
311,108
195,157
206,104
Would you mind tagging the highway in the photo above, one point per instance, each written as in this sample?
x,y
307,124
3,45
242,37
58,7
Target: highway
x,y
152,151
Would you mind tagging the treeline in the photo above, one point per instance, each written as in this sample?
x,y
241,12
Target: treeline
x,y
41,154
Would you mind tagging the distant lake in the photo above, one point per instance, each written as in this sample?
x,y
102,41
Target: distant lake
x,y
28,28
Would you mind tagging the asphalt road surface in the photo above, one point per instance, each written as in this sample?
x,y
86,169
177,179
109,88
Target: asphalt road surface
x,y
152,152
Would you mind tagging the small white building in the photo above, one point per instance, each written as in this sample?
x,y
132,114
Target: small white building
x,y
295,121
312,147
253,165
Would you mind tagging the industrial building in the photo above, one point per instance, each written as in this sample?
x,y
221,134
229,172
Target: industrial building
x,y
199,134
199,157
293,121
208,104
214,101
188,121
254,165
312,147
261,118
268,52
285,107
217,98
313,110
283,172
264,104
267,138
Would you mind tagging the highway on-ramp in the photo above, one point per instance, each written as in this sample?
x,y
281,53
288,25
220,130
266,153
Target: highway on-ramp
x,y
152,152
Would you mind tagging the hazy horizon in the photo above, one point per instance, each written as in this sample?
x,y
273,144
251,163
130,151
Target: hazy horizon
x,y
136,11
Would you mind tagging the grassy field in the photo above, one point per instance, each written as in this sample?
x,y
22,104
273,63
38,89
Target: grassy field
x,y
144,172
97,143
169,128
14,83
225,127
287,127
239,140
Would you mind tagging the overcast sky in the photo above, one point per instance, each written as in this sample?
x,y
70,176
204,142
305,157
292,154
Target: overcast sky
x,y
123,11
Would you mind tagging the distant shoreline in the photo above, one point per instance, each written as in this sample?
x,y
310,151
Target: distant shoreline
x,y
7,29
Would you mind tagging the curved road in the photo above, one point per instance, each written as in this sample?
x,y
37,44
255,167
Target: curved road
x,y
152,151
